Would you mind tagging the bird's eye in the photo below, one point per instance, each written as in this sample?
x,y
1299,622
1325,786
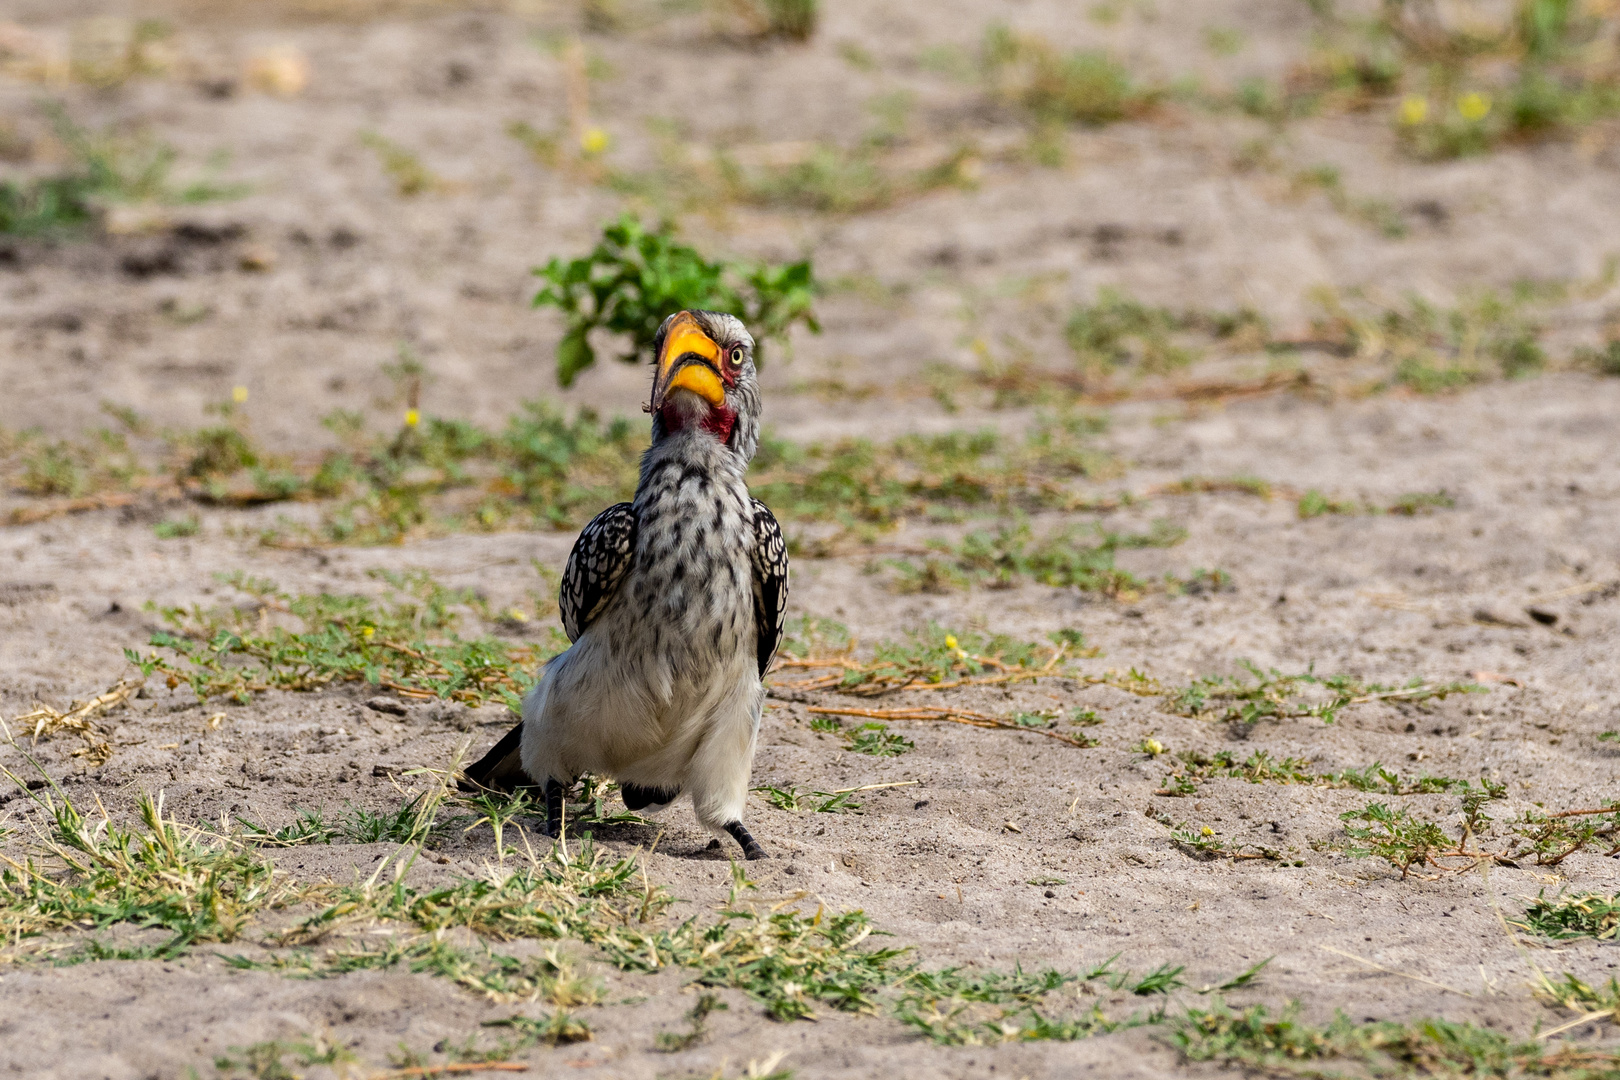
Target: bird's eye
x,y
735,355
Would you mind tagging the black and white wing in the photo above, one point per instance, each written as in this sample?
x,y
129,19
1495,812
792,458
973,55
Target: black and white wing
x,y
770,583
602,555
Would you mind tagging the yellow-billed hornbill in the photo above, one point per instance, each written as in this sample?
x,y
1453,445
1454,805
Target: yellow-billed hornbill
x,y
674,604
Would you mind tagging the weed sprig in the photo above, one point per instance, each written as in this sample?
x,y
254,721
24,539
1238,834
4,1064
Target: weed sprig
x,y
1273,695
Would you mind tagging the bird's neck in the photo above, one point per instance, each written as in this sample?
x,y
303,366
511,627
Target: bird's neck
x,y
717,422
694,447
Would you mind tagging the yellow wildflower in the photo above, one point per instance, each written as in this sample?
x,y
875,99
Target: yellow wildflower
x,y
1206,831
1153,746
239,394
1414,109
594,141
1474,106
412,418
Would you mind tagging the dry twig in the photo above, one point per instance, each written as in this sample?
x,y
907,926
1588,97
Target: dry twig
x,y
45,720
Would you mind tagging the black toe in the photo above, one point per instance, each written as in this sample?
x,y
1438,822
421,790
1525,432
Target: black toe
x,y
750,846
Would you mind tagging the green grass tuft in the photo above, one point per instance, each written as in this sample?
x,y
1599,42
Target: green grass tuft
x,y
406,642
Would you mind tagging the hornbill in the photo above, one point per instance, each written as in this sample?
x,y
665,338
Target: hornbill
x,y
674,604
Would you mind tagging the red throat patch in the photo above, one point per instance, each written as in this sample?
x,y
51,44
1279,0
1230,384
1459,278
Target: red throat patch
x,y
718,422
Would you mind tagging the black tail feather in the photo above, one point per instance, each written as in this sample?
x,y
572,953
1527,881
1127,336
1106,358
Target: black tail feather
x,y
637,797
499,770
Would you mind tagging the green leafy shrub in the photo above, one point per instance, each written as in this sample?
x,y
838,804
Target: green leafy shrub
x,y
635,277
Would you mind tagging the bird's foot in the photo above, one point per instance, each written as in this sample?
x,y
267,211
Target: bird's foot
x,y
750,846
554,810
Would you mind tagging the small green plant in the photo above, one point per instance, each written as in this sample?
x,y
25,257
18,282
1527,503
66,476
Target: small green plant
x,y
1431,349
830,802
104,171
1206,844
634,278
267,1060
558,1029
1258,768
933,658
1285,1045
810,635
1592,1002
410,823
497,809
1063,559
1374,212
876,740
1261,768
175,528
697,1025
1552,838
1457,86
310,827
1395,835
1160,980
1581,915
1314,504
1086,87
1273,695
868,487
961,1007
1118,332
404,168
1377,778
104,462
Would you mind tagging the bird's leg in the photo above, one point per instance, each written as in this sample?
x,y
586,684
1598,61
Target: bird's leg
x,y
750,846
554,809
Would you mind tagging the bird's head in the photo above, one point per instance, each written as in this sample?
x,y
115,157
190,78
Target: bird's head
x,y
705,380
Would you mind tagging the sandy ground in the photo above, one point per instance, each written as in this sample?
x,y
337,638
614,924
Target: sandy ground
x,y
943,865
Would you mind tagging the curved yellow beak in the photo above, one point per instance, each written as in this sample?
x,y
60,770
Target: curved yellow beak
x,y
689,360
